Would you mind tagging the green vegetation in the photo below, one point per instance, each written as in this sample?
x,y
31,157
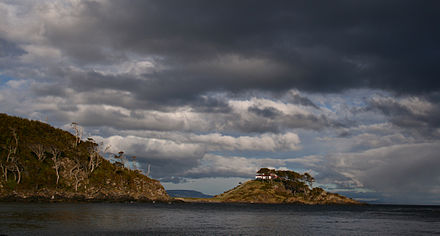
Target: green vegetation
x,y
37,159
292,180
287,187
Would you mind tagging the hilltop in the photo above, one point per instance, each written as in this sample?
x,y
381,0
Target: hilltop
x,y
282,187
40,162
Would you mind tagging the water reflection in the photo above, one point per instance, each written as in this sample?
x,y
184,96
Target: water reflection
x,y
220,219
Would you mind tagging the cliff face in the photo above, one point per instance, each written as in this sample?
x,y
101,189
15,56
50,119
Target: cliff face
x,y
267,191
38,161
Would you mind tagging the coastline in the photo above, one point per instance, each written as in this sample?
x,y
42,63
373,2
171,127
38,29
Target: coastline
x,y
209,200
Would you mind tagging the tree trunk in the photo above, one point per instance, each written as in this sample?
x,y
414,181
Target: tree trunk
x,y
58,175
92,164
5,172
71,170
78,178
76,183
19,174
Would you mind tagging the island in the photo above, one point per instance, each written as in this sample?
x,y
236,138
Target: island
x,y
275,187
41,163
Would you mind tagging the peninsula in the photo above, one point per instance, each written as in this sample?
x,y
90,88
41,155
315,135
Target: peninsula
x,y
40,162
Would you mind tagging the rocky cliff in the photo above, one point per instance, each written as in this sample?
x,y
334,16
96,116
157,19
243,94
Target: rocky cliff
x,y
39,162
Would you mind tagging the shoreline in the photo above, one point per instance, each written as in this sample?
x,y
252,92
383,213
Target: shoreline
x,y
38,199
61,196
82,199
210,200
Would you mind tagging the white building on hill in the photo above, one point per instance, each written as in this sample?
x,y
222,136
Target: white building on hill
x,y
266,176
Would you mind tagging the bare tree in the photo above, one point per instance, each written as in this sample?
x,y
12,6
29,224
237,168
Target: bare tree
x,y
4,170
13,146
79,176
77,165
4,164
148,170
11,162
17,169
78,133
56,158
76,172
94,158
106,148
39,150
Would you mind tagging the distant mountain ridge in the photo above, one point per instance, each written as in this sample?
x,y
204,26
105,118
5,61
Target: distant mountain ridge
x,y
188,194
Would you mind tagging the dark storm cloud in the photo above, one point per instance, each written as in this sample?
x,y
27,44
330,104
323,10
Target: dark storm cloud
x,y
269,119
211,105
166,170
9,49
151,88
417,115
268,112
298,99
314,46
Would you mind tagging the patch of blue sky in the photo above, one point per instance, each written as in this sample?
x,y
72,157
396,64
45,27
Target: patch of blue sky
x,y
252,154
4,79
351,98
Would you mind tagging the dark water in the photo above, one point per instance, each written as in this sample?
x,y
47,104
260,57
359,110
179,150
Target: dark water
x,y
215,219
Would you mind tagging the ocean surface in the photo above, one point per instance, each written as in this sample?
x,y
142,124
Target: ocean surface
x,y
215,219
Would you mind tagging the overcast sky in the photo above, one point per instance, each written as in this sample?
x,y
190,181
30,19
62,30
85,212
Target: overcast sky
x,y
208,92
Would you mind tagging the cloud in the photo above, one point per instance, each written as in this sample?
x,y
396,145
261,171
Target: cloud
x,y
174,154
212,112
9,49
417,114
227,166
405,172
296,45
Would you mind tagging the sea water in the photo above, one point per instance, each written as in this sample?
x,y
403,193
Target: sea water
x,y
215,219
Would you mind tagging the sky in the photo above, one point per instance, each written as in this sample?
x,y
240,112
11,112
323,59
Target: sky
x,y
208,92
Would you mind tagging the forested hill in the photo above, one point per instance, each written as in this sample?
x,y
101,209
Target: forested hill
x,y
284,186
38,161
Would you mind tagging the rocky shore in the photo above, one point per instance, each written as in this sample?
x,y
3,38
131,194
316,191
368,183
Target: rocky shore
x,y
146,192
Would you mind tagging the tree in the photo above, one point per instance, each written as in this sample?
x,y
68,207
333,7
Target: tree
x,y
120,156
39,150
309,179
11,161
78,133
56,159
93,155
264,171
79,176
282,174
148,170
78,171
